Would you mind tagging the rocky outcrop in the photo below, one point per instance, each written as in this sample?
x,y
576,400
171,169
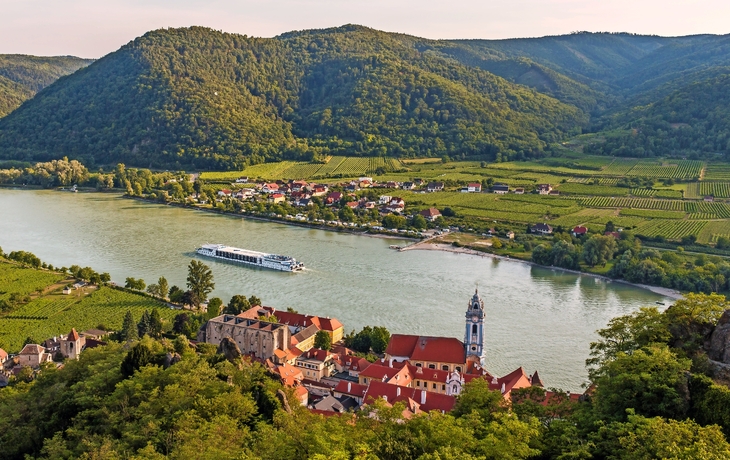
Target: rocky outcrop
x,y
230,350
718,348
284,401
170,359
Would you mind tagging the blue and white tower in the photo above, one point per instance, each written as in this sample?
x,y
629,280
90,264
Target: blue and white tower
x,y
474,335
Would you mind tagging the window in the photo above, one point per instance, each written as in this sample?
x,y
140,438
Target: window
x,y
432,366
444,368
418,383
473,328
454,389
458,368
434,386
419,365
443,387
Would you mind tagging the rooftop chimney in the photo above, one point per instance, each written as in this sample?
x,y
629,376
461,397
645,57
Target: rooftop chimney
x,y
349,386
423,396
397,391
503,388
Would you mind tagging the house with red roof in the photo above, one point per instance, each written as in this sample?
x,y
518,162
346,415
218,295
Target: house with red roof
x,y
351,389
3,356
276,198
444,353
579,230
270,188
316,364
289,375
417,401
333,198
430,214
474,187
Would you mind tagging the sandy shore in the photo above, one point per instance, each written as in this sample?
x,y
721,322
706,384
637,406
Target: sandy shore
x,y
426,246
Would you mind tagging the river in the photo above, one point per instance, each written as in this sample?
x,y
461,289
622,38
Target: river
x,y
536,317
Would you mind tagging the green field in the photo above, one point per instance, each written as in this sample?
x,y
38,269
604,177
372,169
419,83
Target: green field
x,y
54,313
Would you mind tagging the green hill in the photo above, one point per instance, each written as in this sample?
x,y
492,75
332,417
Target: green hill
x,y
22,76
200,97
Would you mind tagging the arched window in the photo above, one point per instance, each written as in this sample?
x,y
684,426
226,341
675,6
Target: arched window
x,y
474,329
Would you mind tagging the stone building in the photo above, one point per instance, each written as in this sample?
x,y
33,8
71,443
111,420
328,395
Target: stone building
x,y
256,338
72,345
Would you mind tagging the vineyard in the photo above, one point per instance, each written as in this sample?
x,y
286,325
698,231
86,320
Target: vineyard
x,y
640,203
619,167
652,214
714,230
596,190
25,281
670,229
682,169
55,315
716,189
717,172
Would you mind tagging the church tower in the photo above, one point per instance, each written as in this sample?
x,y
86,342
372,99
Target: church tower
x,y
474,336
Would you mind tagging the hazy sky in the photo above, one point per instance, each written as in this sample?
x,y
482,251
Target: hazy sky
x,y
92,28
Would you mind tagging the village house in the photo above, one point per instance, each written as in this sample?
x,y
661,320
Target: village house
x,y
270,188
333,198
435,187
225,193
384,199
579,230
544,189
319,190
431,214
519,191
351,389
408,185
316,364
541,229
417,401
500,189
276,198
242,180
33,355
474,187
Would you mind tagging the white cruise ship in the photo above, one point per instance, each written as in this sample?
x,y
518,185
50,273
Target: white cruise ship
x,y
244,256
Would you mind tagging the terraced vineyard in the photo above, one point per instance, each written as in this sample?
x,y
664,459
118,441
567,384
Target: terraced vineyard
x,y
597,190
652,214
693,191
353,167
301,170
25,281
718,210
640,203
619,167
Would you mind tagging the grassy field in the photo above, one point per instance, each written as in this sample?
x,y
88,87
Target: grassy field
x,y
51,313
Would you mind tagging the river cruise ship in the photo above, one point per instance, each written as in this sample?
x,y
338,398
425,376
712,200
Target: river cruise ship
x,y
245,256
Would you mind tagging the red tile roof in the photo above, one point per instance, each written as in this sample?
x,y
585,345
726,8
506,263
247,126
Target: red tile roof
x,y
289,374
515,379
580,230
3,354
32,349
401,345
425,400
351,388
430,212
436,349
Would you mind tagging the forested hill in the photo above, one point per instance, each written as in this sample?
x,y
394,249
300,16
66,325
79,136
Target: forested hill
x,y
23,76
200,97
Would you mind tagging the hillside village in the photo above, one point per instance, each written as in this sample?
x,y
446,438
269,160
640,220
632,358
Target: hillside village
x,y
427,373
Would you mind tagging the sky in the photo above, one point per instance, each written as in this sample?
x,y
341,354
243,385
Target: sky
x,y
93,28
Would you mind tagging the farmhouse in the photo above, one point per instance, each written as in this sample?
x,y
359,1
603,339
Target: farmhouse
x,y
431,214
579,230
542,229
500,189
544,189
435,186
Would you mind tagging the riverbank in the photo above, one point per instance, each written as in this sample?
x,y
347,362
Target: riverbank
x,y
428,246
304,224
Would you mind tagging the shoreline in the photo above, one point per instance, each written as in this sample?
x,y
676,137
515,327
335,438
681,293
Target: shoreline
x,y
426,246
278,221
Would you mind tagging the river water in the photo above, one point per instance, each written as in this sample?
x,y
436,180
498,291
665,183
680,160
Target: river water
x,y
536,318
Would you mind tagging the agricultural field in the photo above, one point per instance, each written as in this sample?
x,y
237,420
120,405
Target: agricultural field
x,y
53,313
716,189
676,169
670,229
597,190
652,214
714,230
715,171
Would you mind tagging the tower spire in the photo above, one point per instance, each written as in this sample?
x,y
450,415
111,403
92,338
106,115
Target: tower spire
x,y
474,333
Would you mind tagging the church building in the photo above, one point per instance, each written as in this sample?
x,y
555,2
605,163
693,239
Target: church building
x,y
444,353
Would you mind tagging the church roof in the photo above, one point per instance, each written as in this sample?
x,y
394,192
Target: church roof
x,y
424,348
73,335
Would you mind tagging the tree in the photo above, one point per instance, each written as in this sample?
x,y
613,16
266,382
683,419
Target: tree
x,y
129,328
322,340
139,356
476,397
155,324
200,280
180,323
136,284
393,221
143,327
651,380
191,299
237,304
346,214
610,227
214,307
599,249
162,287
176,294
254,301
419,222
379,338
626,334
153,290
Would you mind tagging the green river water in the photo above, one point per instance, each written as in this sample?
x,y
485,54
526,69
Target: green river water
x,y
536,317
